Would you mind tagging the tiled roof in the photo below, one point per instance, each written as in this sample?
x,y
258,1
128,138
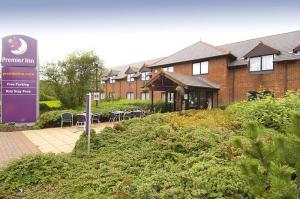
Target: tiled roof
x,y
197,51
262,49
284,42
185,80
120,71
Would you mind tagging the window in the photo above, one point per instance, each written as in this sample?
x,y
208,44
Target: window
x,y
145,76
130,78
112,95
130,95
262,63
200,68
112,80
102,95
145,96
169,69
253,95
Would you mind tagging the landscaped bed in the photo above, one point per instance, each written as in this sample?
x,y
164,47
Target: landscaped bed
x,y
191,154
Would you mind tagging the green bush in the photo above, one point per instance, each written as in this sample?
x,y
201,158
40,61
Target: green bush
x,y
50,115
51,118
269,112
42,169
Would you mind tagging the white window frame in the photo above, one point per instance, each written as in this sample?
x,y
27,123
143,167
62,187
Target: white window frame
x,y
262,63
199,67
130,77
169,69
145,96
111,80
145,76
112,95
130,95
102,95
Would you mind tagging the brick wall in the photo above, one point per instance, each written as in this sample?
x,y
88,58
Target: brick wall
x,y
234,83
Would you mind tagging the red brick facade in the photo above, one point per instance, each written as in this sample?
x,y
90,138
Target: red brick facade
x,y
234,83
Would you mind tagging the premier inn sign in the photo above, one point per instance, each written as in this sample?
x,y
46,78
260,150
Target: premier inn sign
x,y
19,79
19,50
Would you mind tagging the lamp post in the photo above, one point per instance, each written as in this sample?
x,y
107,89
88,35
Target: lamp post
x,y
97,88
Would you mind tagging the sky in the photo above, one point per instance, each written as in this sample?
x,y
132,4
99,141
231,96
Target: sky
x,y
127,31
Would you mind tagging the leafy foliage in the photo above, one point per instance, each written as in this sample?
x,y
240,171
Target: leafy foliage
x,y
52,118
73,77
190,154
267,111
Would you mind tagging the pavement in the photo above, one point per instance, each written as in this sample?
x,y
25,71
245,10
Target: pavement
x,y
14,145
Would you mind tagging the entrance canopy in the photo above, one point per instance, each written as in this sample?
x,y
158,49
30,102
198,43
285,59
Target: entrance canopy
x,y
168,81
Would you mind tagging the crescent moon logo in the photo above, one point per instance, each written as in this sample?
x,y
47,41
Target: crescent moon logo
x,y
21,49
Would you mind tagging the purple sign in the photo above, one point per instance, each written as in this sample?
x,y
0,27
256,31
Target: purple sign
x,y
19,79
19,50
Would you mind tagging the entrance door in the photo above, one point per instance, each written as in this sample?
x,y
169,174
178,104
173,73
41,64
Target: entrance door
x,y
170,101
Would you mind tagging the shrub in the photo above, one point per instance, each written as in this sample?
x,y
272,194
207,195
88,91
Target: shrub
x,y
269,112
42,169
51,118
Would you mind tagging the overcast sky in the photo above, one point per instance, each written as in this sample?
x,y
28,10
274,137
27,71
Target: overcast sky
x,y
125,31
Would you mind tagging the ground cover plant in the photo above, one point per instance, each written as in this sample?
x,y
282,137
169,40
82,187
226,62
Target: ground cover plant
x,y
190,154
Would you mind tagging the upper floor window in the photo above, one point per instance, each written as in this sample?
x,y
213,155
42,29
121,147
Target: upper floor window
x,y
112,80
200,68
130,95
145,76
262,63
130,77
102,82
169,69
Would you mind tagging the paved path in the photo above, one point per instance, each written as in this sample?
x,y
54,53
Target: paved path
x,y
14,145
56,140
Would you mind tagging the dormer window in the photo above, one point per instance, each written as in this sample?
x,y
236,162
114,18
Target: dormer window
x,y
297,50
112,80
169,69
262,63
145,76
130,77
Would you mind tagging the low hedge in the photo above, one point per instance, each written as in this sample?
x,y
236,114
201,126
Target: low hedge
x,y
52,117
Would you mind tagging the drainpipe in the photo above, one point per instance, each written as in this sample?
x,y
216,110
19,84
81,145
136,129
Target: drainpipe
x,y
233,86
285,77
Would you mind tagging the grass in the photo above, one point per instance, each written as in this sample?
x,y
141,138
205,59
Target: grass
x,y
52,103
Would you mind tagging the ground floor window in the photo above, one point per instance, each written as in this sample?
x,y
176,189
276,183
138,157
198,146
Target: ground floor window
x,y
145,96
193,100
130,95
112,95
253,95
102,95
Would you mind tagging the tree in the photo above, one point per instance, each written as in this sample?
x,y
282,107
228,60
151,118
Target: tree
x,y
272,163
73,77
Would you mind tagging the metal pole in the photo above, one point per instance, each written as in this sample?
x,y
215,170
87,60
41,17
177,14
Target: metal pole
x,y
88,120
97,89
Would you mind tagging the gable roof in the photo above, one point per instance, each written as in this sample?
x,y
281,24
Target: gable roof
x,y
285,43
197,51
122,71
260,50
184,80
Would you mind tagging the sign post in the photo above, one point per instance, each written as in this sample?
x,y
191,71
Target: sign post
x,y
19,79
88,120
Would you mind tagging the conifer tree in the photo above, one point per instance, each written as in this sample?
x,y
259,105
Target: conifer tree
x,y
272,162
